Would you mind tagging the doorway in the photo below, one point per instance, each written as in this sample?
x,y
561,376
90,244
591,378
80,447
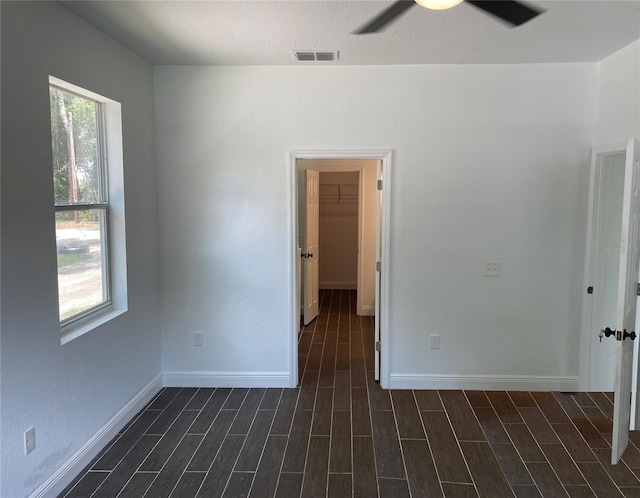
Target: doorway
x,y
602,266
340,232
611,284
345,245
372,286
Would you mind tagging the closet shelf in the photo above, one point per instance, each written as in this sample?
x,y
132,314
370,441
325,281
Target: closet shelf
x,y
338,193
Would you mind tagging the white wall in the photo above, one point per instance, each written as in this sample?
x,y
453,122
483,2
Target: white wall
x,y
338,242
67,392
618,97
490,162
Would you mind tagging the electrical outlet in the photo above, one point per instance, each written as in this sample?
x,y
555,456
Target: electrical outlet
x,y
198,338
434,341
492,268
29,440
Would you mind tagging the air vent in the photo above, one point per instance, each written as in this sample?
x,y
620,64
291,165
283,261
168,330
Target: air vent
x,y
326,56
315,56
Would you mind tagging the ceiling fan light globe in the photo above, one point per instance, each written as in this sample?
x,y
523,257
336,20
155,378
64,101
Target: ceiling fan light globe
x,y
438,4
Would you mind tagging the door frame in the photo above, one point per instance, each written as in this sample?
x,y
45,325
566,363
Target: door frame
x,y
590,260
385,156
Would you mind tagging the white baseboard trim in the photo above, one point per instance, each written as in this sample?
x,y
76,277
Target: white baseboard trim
x,y
484,382
338,285
53,486
367,310
225,379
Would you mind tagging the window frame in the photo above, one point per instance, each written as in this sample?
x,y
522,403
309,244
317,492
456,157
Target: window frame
x,y
111,209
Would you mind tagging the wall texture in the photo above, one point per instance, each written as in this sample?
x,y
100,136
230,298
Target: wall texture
x,y
618,97
67,392
490,163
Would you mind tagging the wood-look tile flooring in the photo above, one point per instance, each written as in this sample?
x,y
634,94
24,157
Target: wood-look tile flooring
x,y
340,435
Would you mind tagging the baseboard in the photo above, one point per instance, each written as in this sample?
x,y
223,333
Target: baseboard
x,y
225,379
484,382
337,285
53,486
367,310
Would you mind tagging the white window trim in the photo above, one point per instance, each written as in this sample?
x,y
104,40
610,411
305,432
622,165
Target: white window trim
x,y
116,219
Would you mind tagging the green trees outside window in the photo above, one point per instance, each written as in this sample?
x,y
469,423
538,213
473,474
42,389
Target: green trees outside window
x,y
81,204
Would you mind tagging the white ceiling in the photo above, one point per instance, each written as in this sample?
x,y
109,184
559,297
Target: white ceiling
x,y
264,32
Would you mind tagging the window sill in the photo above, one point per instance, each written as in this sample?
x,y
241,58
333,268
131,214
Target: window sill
x,y
74,332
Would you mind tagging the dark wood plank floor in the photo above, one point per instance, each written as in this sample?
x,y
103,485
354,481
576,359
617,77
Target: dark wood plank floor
x,y
339,435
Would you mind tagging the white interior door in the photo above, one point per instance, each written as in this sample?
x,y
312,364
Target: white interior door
x,y
602,267
379,256
311,255
627,292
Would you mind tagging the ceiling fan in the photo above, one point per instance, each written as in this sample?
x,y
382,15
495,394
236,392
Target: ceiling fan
x,y
512,12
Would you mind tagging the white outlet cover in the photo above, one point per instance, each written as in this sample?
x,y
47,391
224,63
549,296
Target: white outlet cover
x,y
198,338
492,268
434,341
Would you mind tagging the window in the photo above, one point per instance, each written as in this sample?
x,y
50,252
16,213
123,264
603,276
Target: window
x,y
83,211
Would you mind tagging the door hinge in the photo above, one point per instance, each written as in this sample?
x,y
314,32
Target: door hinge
x,y
638,290
378,266
377,345
379,184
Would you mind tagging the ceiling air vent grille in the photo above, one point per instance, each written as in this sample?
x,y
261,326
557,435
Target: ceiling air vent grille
x,y
315,56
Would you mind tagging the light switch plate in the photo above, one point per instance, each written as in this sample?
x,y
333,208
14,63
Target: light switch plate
x,y
29,440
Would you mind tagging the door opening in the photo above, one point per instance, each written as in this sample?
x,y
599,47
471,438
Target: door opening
x,y
611,281
602,273
341,228
372,294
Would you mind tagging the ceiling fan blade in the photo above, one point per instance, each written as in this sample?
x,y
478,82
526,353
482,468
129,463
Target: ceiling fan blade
x,y
386,17
515,13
